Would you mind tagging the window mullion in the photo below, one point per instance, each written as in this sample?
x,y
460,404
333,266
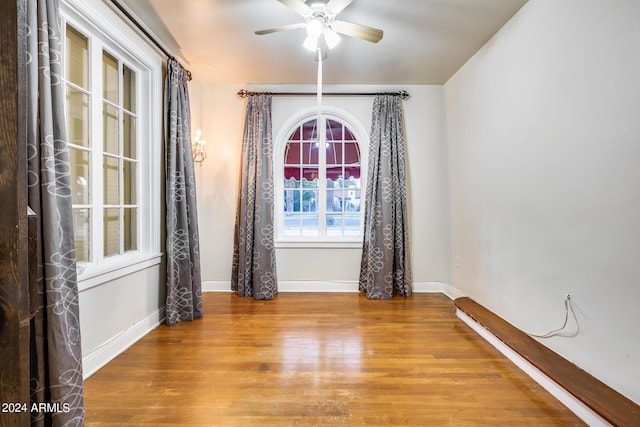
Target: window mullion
x,y
120,160
322,174
139,211
96,143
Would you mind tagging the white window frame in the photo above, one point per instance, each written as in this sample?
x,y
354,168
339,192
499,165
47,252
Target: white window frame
x,y
106,31
362,137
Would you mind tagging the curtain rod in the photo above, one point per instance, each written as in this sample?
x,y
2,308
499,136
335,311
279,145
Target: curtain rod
x,y
245,93
144,31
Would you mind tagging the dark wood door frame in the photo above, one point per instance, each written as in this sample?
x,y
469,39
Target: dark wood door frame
x,y
14,287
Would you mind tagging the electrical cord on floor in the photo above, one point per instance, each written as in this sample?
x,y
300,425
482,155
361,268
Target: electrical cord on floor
x,y
568,307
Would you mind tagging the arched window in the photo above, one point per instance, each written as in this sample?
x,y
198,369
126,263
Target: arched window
x,y
320,182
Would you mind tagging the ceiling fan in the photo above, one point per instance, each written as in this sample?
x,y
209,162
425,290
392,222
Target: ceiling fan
x,y
323,27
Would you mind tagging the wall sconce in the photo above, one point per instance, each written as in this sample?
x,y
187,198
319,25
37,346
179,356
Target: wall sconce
x,y
198,148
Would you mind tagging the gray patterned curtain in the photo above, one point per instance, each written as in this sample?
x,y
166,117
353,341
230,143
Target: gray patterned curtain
x,y
254,261
56,358
385,269
184,286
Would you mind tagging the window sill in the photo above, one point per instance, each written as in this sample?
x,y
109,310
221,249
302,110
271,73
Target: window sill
x,y
93,275
318,244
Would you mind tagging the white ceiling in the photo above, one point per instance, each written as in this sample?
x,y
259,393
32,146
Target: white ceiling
x,y
425,41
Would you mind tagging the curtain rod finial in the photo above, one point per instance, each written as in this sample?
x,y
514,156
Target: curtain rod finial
x,y
243,93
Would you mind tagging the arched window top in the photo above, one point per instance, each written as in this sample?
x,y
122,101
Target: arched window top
x,y
335,117
341,148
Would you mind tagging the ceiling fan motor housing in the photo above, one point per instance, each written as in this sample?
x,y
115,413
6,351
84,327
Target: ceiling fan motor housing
x,y
320,12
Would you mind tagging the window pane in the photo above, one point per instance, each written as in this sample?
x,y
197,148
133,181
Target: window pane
x,y
82,233
334,200
292,182
292,232
310,213
334,130
334,225
310,176
293,174
77,58
292,217
296,136
110,78
352,200
310,224
351,153
310,153
309,132
292,226
111,184
352,223
309,201
291,201
292,153
348,136
110,129
334,153
351,209
79,165
130,229
352,174
129,136
335,177
128,89
347,224
77,117
130,183
111,232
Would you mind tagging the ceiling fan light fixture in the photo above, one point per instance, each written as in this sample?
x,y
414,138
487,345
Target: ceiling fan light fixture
x,y
311,43
331,37
315,27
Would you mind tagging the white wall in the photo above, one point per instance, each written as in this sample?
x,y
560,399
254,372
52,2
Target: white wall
x,y
543,131
219,112
117,313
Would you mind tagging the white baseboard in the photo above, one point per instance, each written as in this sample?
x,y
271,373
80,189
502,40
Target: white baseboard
x,y
452,292
331,286
576,406
290,286
317,286
428,287
216,286
108,351
437,287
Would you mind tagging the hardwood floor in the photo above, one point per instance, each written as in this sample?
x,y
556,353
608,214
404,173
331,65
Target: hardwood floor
x,y
318,360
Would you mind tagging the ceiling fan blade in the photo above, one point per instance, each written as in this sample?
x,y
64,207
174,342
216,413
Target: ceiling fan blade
x,y
363,32
336,6
281,28
297,5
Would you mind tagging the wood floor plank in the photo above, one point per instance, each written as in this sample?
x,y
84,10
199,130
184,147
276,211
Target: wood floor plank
x,y
318,359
